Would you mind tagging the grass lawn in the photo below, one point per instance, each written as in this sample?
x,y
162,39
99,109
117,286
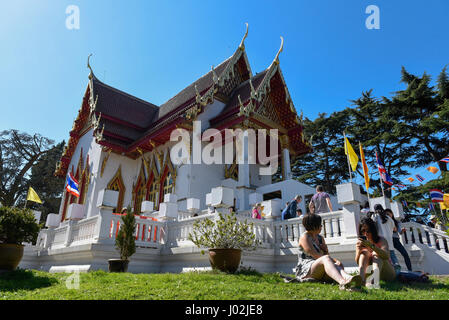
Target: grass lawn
x,y
212,285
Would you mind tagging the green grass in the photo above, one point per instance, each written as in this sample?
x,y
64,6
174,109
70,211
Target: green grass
x,y
246,285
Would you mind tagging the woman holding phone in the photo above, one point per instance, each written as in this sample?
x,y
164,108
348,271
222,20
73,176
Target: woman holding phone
x,y
372,249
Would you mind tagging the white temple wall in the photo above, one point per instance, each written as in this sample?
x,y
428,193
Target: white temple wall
x,y
256,179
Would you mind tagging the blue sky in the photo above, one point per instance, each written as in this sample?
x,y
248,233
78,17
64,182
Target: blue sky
x,y
153,49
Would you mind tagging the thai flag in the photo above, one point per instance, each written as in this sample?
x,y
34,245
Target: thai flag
x,y
436,195
431,207
446,159
72,185
404,203
421,179
383,173
400,186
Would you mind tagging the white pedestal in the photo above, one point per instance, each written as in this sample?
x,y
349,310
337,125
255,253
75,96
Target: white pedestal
x,y
193,205
52,220
147,207
271,208
170,198
222,197
348,195
107,198
75,211
168,210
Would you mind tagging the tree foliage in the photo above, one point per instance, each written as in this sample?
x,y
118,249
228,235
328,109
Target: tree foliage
x,y
408,130
19,151
45,183
17,225
125,241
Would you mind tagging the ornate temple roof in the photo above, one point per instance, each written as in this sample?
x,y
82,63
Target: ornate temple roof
x,y
128,125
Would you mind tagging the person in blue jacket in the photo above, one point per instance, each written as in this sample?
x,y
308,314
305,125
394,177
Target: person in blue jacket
x,y
289,211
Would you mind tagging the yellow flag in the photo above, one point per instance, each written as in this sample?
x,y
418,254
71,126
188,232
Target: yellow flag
x,y
32,196
353,158
445,204
365,167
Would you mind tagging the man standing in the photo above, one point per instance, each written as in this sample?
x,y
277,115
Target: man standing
x,y
321,201
290,211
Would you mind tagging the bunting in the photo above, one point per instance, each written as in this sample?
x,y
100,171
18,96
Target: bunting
x,y
432,169
420,179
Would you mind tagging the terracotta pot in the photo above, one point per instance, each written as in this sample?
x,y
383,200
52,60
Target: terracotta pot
x,y
118,265
10,256
227,260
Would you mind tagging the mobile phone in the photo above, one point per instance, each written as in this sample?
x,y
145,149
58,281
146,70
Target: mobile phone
x,y
362,237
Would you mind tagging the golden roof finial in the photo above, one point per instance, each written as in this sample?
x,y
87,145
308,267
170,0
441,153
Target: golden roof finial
x,y
88,65
242,43
253,91
276,59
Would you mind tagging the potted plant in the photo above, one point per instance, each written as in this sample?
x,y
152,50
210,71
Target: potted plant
x,y
16,226
225,238
125,242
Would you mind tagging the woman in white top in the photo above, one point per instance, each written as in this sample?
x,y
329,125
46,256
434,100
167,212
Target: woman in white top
x,y
385,226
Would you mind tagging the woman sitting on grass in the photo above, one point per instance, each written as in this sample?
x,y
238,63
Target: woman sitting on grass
x,y
314,261
372,249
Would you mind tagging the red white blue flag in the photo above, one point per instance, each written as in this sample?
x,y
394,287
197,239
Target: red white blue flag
x,y
421,179
383,173
436,195
445,159
72,185
404,203
431,207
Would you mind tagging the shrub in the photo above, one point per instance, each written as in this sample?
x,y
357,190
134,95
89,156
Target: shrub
x,y
125,241
17,225
224,233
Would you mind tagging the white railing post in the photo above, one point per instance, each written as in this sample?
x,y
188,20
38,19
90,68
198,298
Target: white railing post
x,y
334,227
68,233
102,228
432,240
414,234
424,233
349,197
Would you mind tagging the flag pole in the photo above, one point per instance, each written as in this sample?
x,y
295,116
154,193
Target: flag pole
x,y
347,157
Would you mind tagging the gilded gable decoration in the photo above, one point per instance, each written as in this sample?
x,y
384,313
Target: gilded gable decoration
x,y
116,184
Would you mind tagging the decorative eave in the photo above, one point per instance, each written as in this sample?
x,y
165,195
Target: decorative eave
x,y
247,111
78,130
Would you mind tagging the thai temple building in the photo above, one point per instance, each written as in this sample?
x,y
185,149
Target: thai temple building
x,y
119,152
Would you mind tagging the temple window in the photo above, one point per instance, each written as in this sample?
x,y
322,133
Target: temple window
x,y
153,192
116,184
139,192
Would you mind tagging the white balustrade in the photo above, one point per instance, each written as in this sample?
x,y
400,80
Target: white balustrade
x,y
422,234
104,228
